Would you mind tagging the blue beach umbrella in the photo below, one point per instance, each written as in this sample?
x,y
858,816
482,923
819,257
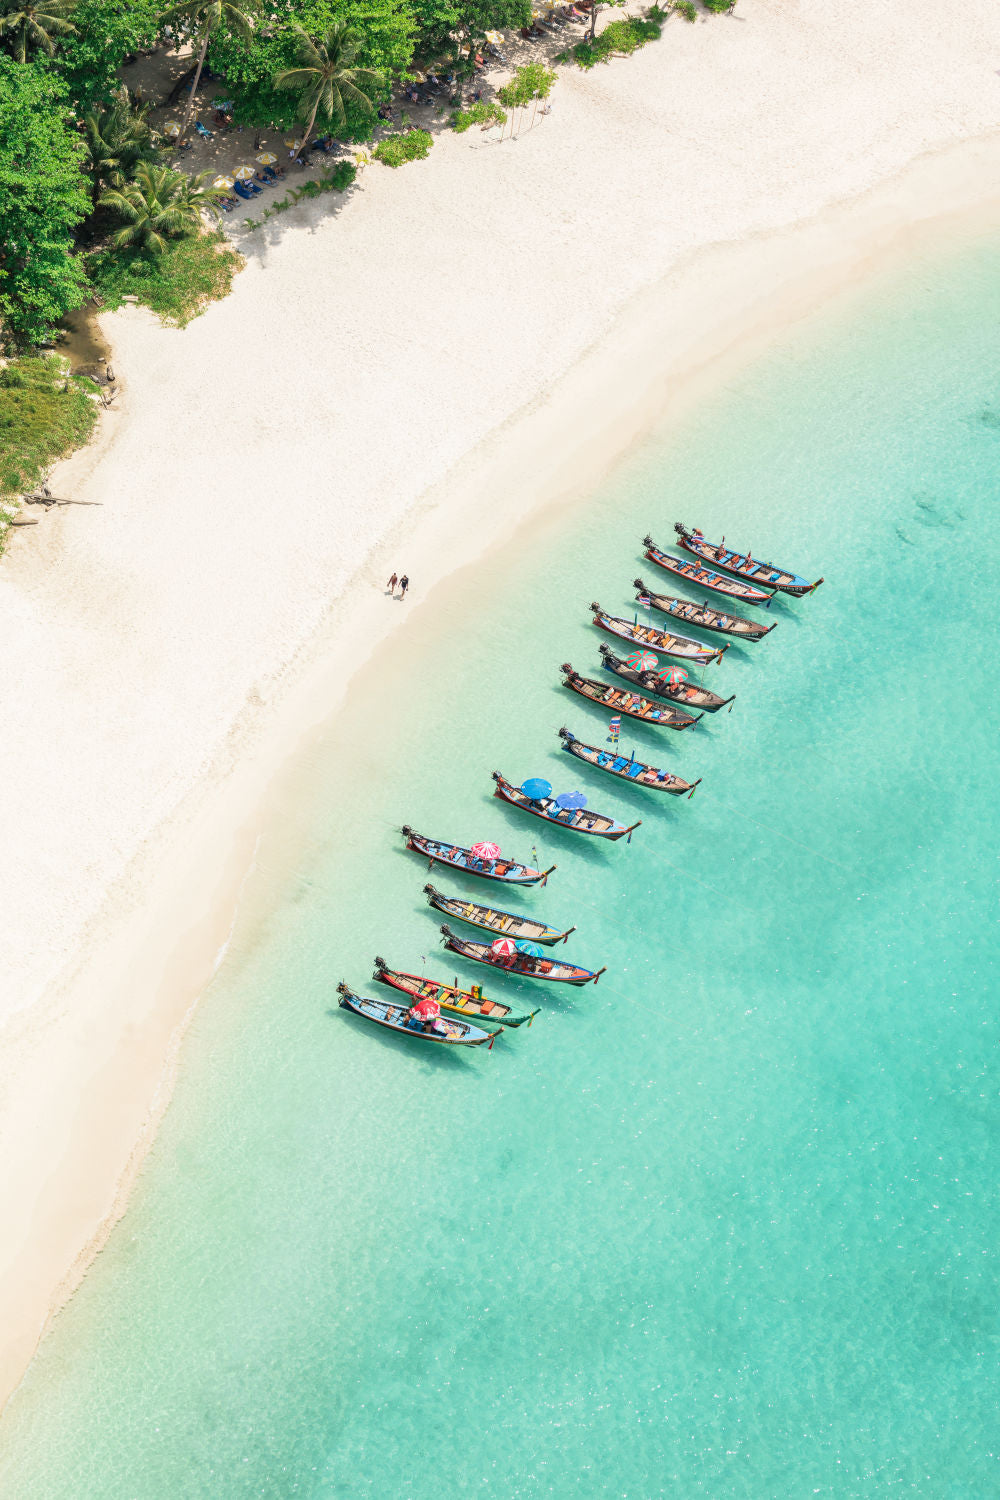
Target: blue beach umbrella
x,y
536,787
531,949
571,801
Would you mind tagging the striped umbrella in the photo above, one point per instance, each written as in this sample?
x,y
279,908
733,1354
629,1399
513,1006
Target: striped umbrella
x,y
673,675
504,947
223,183
267,158
642,661
486,851
244,174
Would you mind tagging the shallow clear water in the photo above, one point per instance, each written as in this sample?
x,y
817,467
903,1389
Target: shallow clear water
x,y
724,1225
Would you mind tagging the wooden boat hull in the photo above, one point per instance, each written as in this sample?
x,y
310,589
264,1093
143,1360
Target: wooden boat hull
x,y
597,825
455,1033
703,578
523,965
500,923
508,871
469,1004
630,770
742,564
651,639
648,682
633,705
705,616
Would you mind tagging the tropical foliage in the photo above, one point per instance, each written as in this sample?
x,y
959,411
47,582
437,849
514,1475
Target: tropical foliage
x,y
34,25
43,199
43,415
408,145
531,81
619,38
158,205
176,284
326,80
479,113
382,32
117,138
204,18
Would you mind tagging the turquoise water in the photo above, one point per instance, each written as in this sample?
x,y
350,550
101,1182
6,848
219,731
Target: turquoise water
x,y
725,1225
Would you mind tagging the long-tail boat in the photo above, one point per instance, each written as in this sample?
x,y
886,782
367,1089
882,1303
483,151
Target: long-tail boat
x,y
526,965
471,1002
705,616
459,858
489,919
688,693
627,768
632,704
579,819
695,573
743,563
450,1032
657,640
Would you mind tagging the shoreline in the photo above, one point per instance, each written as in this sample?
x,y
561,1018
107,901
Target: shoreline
x,y
170,916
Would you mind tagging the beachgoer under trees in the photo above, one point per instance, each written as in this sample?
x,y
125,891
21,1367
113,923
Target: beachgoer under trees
x,y
391,585
404,584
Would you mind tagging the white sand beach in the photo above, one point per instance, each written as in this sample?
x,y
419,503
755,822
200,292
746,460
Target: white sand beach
x,y
398,377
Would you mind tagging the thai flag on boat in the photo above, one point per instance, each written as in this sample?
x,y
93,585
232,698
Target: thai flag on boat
x,y
644,600
615,727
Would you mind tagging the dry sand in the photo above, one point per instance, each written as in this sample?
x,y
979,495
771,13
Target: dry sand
x,y
391,385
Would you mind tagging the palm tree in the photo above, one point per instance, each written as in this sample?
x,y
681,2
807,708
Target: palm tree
x,y
206,17
35,23
159,204
326,80
117,138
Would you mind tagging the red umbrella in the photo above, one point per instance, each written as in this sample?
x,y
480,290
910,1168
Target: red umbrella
x,y
486,851
673,675
503,947
427,1009
642,661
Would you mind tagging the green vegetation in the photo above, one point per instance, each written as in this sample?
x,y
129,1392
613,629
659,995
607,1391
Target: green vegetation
x,y
43,198
35,27
718,6
326,80
158,206
408,145
203,18
117,139
176,284
620,38
43,416
687,9
479,114
532,81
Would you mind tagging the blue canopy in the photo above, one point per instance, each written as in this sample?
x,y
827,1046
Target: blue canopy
x,y
535,786
531,949
571,800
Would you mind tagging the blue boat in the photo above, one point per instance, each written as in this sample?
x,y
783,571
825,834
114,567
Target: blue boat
x,y
695,574
446,1030
627,768
580,819
743,564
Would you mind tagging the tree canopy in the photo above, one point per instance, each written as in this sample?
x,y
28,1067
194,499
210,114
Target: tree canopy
x,y
43,197
384,32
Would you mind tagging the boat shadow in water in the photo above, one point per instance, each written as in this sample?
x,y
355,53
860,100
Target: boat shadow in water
x,y
426,1054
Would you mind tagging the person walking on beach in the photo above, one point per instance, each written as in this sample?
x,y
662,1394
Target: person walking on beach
x,y
391,585
404,584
